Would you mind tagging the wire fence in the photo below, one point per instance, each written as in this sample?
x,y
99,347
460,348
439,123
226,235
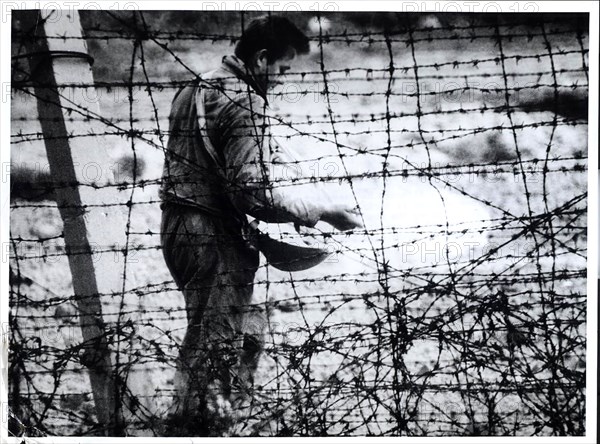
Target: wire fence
x,y
459,308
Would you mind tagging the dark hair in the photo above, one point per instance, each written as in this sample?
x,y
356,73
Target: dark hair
x,y
273,33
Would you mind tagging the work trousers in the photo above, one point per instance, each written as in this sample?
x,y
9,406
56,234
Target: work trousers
x,y
215,269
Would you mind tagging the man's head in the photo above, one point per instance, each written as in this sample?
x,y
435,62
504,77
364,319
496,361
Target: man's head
x,y
268,45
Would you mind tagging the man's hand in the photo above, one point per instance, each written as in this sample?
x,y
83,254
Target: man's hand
x,y
342,217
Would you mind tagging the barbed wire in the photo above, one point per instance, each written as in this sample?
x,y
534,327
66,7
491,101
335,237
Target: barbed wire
x,y
429,325
326,37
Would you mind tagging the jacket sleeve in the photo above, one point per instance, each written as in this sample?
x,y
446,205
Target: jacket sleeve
x,y
251,159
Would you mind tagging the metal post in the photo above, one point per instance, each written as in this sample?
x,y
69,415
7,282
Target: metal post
x,y
81,168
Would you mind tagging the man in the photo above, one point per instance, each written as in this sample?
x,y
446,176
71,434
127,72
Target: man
x,y
216,172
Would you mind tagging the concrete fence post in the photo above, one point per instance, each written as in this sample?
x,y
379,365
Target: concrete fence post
x,y
62,80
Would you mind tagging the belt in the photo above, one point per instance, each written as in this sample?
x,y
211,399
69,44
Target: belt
x,y
182,202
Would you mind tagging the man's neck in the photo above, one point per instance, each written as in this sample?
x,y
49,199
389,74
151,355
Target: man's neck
x,y
237,67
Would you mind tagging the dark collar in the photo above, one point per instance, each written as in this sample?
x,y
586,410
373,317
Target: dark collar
x,y
240,70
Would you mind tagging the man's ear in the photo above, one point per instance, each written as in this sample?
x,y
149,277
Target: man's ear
x,y
260,59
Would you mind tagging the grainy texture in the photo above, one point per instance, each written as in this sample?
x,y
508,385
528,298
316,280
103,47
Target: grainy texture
x,y
460,308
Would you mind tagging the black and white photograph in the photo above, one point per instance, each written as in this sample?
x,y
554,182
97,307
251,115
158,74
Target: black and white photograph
x,y
312,219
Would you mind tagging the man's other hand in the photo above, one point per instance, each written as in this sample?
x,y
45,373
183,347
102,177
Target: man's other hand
x,y
342,217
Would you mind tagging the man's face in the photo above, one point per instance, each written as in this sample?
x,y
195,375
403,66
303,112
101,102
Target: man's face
x,y
272,74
